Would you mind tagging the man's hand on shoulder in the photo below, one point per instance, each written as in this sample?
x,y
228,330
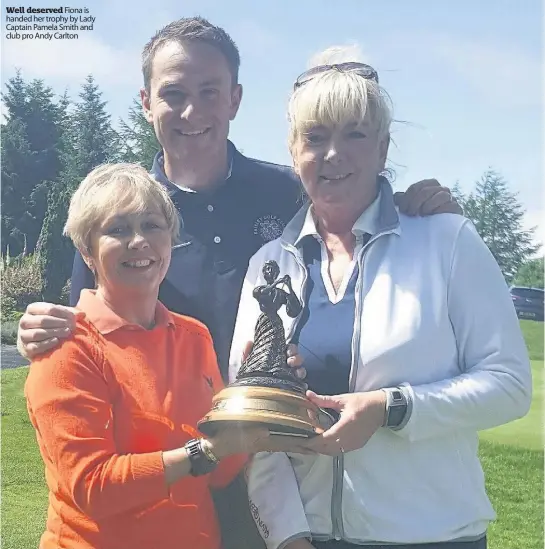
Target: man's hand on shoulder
x,y
42,327
427,197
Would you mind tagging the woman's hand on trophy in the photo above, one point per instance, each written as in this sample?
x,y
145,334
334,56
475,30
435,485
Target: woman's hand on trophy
x,y
294,359
361,414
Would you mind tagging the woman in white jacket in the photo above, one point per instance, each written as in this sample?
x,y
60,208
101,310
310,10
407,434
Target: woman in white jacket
x,y
407,330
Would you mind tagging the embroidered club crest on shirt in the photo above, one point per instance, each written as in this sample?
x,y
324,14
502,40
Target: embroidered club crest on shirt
x,y
268,227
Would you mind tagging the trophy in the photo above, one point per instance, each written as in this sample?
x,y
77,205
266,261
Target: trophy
x,y
267,392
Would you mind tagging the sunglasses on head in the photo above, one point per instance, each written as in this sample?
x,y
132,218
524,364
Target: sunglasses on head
x,y
363,70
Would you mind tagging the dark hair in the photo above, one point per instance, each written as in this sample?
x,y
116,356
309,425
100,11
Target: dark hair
x,y
270,270
187,30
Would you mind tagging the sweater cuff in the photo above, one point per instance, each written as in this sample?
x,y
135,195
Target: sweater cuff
x,y
148,472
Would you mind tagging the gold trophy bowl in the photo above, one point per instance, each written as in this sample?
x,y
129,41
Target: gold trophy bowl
x,y
267,392
282,412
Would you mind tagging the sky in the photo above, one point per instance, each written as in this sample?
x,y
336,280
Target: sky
x,y
465,77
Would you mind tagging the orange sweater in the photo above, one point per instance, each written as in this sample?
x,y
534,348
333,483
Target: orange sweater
x,y
104,406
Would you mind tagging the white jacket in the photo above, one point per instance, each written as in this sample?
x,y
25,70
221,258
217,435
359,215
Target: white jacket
x,y
433,313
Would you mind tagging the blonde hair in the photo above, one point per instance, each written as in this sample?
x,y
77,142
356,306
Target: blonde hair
x,y
336,98
108,187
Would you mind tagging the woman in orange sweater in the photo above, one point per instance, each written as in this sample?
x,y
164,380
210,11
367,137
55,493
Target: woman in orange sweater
x,y
115,408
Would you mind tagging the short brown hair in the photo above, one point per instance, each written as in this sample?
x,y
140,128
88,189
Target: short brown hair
x,y
187,30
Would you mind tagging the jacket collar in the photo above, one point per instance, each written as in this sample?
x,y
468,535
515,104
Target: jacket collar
x,y
367,222
381,216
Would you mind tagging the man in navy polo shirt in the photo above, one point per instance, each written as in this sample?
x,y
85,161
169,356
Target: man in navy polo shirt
x,y
230,205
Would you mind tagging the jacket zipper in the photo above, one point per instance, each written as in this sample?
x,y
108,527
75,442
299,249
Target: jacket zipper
x,y
338,461
337,498
359,306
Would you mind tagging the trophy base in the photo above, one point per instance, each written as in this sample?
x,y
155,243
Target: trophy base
x,y
281,412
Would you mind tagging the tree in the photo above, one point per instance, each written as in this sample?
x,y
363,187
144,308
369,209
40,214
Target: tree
x,y
138,140
15,99
56,251
15,156
95,139
497,216
531,273
30,158
88,141
457,193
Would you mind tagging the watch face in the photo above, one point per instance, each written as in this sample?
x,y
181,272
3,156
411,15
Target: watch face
x,y
200,463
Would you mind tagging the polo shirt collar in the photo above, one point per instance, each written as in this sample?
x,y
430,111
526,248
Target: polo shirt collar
x,y
106,321
158,170
367,222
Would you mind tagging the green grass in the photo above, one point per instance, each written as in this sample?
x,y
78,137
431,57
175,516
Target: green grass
x,y
24,493
514,482
533,335
512,457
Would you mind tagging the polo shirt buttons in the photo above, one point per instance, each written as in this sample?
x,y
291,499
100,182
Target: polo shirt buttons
x,y
210,208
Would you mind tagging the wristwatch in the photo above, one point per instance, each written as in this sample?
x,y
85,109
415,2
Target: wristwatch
x,y
396,407
201,457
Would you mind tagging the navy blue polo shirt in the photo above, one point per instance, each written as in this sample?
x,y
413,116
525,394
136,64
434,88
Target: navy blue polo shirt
x,y
221,231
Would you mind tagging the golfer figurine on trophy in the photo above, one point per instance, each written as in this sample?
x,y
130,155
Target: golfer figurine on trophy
x,y
266,364
267,392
